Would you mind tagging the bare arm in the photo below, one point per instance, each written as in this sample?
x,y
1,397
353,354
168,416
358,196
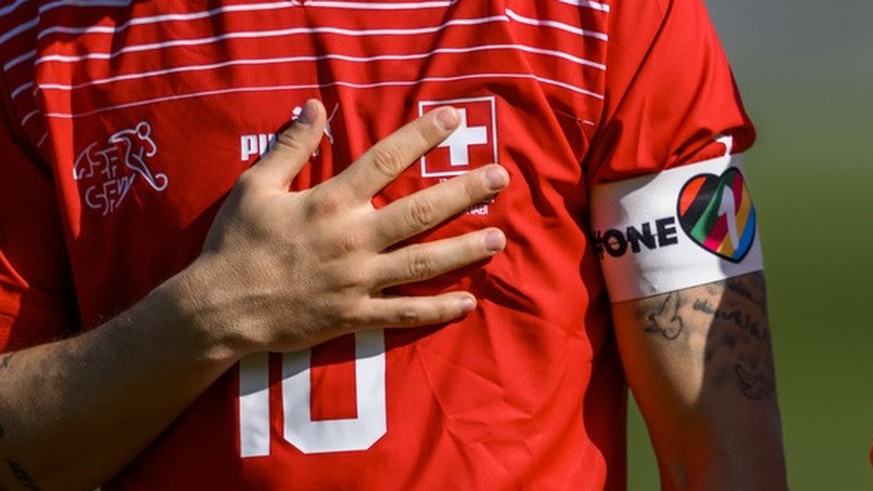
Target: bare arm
x,y
700,364
279,271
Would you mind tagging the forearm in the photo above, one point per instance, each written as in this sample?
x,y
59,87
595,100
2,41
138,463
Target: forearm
x,y
73,412
700,363
279,271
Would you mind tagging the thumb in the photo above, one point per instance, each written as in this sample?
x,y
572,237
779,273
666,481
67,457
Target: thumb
x,y
294,146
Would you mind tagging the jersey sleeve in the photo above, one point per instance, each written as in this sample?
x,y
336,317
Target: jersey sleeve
x,y
36,301
670,93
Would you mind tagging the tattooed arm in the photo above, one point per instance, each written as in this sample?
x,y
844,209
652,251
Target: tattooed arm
x,y
700,364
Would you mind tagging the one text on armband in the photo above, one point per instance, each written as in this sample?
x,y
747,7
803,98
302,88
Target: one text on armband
x,y
681,227
653,235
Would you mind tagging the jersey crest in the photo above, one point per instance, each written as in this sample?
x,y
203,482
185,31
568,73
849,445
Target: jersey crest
x,y
473,144
109,170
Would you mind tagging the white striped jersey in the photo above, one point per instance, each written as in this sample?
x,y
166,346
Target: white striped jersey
x,y
131,120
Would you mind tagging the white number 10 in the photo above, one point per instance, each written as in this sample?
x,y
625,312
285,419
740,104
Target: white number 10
x,y
308,436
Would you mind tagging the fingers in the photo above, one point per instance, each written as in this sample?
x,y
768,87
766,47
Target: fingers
x,y
418,311
294,146
420,262
425,209
383,162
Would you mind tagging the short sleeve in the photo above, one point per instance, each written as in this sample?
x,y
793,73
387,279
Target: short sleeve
x,y
670,93
36,301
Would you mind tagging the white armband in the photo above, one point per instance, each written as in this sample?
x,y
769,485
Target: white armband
x,y
682,227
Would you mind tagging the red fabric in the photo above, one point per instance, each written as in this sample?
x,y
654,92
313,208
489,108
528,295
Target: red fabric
x,y
670,92
35,295
525,393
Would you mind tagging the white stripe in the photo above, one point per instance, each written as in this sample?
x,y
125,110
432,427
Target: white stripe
x,y
20,89
223,10
561,54
311,59
42,140
379,5
351,85
29,115
83,3
556,25
569,87
11,8
164,18
20,59
585,3
254,405
273,33
574,117
18,30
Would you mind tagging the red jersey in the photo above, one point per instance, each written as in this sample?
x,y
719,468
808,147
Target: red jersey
x,y
128,122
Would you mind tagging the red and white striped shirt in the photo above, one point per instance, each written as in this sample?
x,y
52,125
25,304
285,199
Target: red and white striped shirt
x,y
126,122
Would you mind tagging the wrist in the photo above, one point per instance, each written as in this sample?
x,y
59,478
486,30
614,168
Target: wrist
x,y
191,302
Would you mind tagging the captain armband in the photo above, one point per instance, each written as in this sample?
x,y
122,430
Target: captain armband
x,y
682,227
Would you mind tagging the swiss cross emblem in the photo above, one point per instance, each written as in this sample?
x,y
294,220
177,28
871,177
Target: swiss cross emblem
x,y
473,144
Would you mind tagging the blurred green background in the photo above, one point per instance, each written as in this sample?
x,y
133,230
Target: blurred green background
x,y
805,69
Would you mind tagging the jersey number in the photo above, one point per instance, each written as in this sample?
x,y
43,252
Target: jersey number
x,y
308,436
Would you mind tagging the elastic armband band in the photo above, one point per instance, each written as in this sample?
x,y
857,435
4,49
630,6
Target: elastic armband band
x,y
682,227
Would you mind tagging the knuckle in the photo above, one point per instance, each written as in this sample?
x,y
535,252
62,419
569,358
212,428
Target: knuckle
x,y
388,160
422,212
408,316
345,315
342,244
421,265
334,279
443,312
348,243
352,316
324,203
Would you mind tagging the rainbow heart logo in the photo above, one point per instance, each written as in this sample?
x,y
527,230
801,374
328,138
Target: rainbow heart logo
x,y
717,213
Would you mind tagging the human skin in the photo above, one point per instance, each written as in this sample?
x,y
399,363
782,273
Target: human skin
x,y
700,364
279,271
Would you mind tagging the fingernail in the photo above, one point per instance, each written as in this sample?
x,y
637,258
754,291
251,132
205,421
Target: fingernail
x,y
309,112
467,304
448,118
495,241
497,178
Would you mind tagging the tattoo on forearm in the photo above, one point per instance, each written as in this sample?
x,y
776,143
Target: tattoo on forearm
x,y
732,315
738,317
744,289
754,386
22,476
666,321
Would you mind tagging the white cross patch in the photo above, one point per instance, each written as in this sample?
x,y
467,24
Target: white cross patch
x,y
473,144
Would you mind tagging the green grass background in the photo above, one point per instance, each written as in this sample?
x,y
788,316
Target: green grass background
x,y
805,69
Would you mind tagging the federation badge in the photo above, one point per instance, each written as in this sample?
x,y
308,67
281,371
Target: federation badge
x,y
109,170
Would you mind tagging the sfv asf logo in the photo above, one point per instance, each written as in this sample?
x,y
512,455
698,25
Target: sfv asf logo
x,y
473,144
110,170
